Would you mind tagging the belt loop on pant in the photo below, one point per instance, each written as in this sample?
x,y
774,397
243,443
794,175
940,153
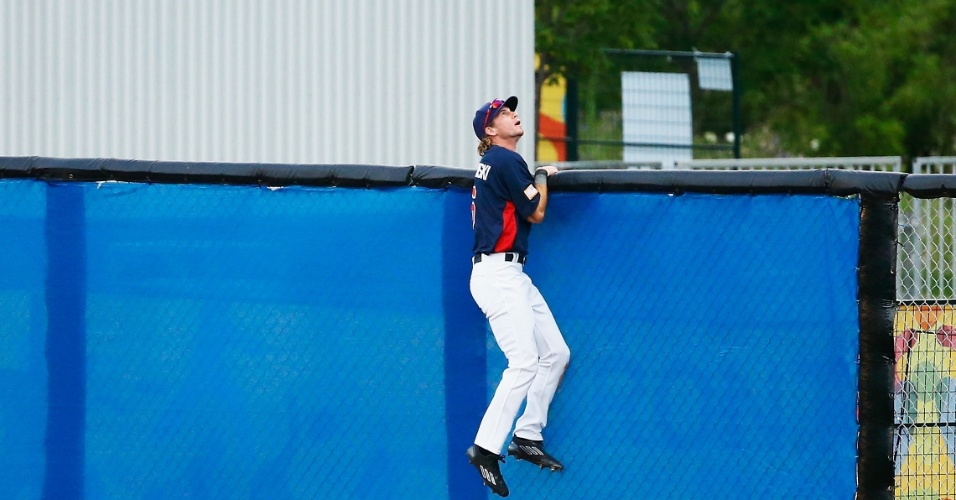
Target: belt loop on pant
x,y
507,256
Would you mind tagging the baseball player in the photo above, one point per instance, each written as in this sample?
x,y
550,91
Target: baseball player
x,y
506,201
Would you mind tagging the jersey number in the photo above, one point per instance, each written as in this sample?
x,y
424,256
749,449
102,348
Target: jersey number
x,y
474,194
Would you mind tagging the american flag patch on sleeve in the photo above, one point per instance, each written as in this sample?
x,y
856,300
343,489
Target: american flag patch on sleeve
x,y
530,191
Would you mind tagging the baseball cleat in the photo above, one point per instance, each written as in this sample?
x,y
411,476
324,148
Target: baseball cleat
x,y
487,466
533,451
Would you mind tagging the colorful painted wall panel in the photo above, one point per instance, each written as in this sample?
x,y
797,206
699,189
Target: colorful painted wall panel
x,y
925,399
552,122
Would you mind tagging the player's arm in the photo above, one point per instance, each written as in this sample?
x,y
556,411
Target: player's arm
x,y
541,184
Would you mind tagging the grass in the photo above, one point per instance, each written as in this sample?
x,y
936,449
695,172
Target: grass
x,y
607,127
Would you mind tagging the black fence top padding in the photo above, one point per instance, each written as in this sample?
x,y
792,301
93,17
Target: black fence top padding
x,y
270,174
440,177
930,185
821,181
880,184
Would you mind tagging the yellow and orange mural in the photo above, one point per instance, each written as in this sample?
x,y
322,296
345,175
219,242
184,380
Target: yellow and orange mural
x,y
552,122
925,400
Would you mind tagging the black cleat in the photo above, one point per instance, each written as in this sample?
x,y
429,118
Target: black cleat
x,y
487,466
533,451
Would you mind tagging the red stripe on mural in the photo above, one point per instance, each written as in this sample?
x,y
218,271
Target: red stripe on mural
x,y
554,128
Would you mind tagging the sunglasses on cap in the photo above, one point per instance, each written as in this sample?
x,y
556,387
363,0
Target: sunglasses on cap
x,y
495,104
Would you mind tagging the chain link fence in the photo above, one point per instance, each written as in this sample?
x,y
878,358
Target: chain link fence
x,y
925,343
927,243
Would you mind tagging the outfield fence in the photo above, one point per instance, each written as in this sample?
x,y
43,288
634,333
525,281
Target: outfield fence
x,y
924,447
289,331
164,319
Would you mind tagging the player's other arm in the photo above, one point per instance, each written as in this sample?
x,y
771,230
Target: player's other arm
x,y
541,184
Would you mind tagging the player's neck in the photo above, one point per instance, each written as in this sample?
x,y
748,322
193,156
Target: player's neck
x,y
509,143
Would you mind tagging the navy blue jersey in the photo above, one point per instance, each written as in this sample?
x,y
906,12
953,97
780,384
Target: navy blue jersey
x,y
502,199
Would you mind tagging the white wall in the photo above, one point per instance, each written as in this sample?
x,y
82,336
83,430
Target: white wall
x,y
393,82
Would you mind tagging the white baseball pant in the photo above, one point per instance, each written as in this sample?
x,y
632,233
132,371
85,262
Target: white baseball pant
x,y
528,336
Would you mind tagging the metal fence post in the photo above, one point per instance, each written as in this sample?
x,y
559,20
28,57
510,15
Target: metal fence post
x,y
735,78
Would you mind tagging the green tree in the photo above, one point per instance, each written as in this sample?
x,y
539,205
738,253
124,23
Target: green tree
x,y
570,36
819,77
891,79
844,78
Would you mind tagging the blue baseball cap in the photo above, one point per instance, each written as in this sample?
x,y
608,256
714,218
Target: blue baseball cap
x,y
487,113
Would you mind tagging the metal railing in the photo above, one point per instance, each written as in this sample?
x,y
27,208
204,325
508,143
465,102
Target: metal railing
x,y
935,165
870,163
874,163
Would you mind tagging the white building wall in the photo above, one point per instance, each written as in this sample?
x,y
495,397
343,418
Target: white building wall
x,y
392,82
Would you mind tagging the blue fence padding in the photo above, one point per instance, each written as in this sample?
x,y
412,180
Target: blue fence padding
x,y
466,349
713,346
23,328
66,353
265,344
310,342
